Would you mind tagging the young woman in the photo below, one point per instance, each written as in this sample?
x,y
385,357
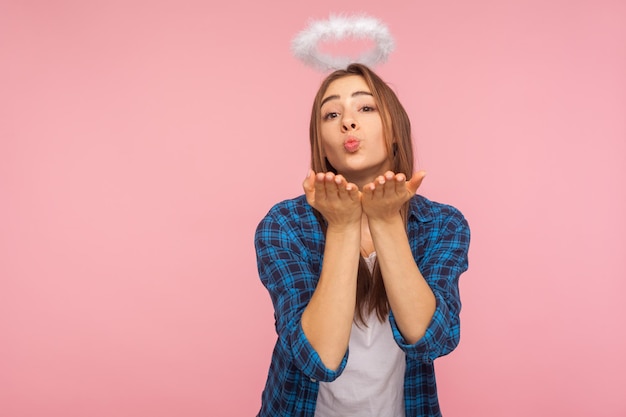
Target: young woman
x,y
362,272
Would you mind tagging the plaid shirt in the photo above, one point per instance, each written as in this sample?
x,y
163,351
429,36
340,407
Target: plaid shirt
x,y
290,246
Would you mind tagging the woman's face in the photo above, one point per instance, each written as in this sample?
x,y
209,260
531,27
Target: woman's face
x,y
352,130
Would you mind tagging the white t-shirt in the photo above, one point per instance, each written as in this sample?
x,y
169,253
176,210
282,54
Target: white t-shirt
x,y
372,383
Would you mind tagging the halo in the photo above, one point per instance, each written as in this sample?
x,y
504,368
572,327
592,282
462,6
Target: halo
x,y
305,45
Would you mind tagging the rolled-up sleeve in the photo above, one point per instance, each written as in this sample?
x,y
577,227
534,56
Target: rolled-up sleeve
x,y
290,276
442,256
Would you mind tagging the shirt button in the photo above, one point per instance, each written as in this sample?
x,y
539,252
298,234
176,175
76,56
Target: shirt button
x,y
313,380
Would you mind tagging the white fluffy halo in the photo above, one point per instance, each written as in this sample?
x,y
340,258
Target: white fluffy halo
x,y
305,45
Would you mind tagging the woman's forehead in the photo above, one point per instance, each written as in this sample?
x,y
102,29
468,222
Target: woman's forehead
x,y
347,82
345,87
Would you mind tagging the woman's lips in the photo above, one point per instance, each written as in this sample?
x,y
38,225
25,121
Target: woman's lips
x,y
352,145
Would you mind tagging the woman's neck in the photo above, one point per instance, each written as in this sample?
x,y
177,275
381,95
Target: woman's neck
x,y
363,177
361,181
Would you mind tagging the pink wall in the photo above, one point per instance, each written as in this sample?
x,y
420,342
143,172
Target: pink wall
x,y
142,141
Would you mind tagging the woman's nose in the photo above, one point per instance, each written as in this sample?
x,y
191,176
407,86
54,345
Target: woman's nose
x,y
348,125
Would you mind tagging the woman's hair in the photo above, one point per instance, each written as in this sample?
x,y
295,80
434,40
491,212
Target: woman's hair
x,y
371,293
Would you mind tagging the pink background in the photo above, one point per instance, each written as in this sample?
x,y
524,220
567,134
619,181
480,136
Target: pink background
x,y
142,141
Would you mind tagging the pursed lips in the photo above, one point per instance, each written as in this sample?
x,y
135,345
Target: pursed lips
x,y
351,144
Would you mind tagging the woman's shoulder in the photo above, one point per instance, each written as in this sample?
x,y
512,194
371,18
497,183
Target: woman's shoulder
x,y
294,211
296,206
294,218
427,210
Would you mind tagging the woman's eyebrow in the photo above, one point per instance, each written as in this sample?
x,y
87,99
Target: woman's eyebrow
x,y
336,96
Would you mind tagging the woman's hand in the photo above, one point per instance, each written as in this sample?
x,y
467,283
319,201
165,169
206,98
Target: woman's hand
x,y
338,200
383,198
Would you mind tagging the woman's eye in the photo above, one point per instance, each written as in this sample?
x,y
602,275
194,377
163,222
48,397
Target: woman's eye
x,y
367,108
330,115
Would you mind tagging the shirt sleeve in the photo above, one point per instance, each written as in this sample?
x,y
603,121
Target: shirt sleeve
x,y
286,270
442,263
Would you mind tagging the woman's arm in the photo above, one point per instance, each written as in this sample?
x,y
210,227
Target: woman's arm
x,y
327,319
410,297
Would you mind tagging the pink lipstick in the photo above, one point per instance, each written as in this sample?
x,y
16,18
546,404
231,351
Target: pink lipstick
x,y
351,145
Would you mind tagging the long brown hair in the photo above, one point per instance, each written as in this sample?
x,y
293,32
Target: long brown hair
x,y
370,293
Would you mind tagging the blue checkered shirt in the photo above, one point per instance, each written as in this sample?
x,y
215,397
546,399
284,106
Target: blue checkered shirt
x,y
290,246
